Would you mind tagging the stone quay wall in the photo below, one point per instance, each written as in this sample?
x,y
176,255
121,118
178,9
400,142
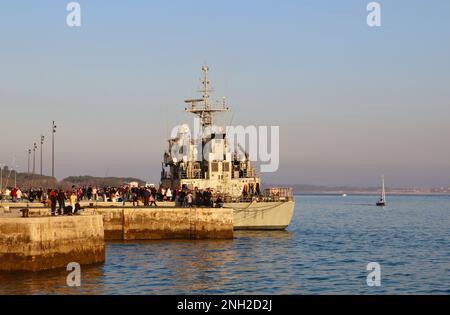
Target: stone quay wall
x,y
165,223
42,243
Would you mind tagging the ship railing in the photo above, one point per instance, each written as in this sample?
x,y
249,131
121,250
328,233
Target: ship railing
x,y
268,195
191,176
278,194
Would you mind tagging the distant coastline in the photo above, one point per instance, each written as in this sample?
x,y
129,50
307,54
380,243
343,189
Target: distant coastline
x,y
302,189
369,194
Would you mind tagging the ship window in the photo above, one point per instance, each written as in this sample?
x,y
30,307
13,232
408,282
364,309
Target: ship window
x,y
214,166
226,166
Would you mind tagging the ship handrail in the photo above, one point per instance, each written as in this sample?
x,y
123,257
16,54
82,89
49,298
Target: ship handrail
x,y
280,194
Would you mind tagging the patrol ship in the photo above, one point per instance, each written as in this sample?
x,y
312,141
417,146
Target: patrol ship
x,y
207,161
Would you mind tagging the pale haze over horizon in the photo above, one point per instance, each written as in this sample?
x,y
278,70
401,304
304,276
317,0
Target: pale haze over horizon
x,y
352,102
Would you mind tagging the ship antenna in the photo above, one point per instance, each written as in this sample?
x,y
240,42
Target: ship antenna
x,y
206,113
206,89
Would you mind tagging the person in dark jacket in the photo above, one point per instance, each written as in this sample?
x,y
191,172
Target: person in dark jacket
x,y
207,198
61,201
146,197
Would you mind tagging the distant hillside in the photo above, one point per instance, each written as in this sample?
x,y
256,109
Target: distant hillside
x,y
100,181
25,180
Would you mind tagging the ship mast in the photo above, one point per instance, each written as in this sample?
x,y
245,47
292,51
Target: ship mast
x,y
206,112
383,193
206,89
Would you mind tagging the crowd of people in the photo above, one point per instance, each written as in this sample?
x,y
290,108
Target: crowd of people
x,y
68,201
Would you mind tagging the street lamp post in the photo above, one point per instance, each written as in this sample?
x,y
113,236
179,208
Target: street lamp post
x,y
34,157
42,143
29,157
1,181
53,148
15,175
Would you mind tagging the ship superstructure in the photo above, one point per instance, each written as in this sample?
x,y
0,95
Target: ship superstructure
x,y
208,161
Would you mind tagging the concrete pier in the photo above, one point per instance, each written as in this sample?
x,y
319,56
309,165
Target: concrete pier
x,y
165,223
41,243
149,223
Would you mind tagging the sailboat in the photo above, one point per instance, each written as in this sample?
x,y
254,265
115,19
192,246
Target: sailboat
x,y
382,201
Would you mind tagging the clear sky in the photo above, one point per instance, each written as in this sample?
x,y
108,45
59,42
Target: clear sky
x,y
352,102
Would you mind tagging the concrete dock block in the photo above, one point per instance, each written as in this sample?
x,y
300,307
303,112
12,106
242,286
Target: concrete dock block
x,y
165,223
41,243
178,223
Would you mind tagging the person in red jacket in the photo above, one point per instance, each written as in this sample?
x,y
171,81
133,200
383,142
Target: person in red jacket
x,y
14,194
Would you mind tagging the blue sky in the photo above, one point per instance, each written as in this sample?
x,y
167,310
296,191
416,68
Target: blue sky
x,y
352,102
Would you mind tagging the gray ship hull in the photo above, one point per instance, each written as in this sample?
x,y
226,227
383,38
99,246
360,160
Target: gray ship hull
x,y
262,215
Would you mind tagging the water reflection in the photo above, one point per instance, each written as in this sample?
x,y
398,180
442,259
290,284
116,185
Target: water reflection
x,y
51,282
280,235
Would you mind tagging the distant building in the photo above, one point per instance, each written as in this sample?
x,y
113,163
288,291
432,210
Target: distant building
x,y
133,184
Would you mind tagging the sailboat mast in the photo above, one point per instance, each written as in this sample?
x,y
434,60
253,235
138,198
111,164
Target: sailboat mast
x,y
383,193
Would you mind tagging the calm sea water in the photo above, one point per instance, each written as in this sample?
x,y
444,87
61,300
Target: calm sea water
x,y
324,251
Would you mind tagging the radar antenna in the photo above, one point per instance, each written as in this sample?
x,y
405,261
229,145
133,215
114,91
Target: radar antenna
x,y
206,112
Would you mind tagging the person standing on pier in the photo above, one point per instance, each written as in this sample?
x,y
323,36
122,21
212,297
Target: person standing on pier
x,y
14,194
134,197
189,200
53,200
94,193
146,197
73,200
61,201
19,194
89,193
153,198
